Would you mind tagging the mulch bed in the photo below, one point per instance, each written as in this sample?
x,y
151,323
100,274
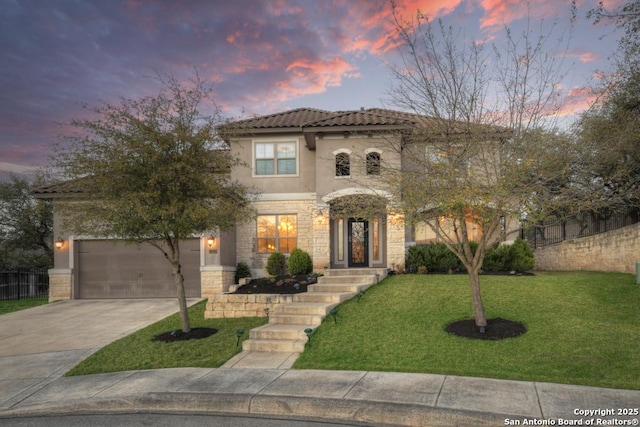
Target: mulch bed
x,y
496,329
178,335
279,285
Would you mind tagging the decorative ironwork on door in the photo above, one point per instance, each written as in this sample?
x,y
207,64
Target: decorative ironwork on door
x,y
358,243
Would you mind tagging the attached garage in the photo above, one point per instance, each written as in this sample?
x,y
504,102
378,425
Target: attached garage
x,y
111,269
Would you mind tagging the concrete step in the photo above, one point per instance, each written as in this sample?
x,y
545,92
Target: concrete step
x,y
330,280
309,308
381,272
328,297
296,319
278,332
288,346
338,288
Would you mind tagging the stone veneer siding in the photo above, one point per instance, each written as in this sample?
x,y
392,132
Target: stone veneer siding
x,y
395,242
60,284
616,250
216,279
242,305
246,234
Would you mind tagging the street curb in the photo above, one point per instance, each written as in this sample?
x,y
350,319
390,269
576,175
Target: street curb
x,y
359,411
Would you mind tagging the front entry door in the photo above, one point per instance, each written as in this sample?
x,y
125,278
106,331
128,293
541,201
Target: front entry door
x,y
358,243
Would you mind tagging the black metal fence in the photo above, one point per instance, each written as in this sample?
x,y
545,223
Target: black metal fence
x,y
586,224
19,284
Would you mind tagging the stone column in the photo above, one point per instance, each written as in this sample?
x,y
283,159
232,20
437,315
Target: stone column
x,y
395,241
60,284
321,239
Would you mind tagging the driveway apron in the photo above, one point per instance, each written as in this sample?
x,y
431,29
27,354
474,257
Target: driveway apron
x,y
41,344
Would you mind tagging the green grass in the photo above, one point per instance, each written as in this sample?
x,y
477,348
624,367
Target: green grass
x,y
138,351
9,306
582,328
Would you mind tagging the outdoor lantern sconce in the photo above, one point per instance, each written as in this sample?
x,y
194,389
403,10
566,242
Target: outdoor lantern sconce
x,y
211,242
59,244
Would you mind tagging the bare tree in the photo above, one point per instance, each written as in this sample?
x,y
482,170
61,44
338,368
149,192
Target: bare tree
x,y
483,151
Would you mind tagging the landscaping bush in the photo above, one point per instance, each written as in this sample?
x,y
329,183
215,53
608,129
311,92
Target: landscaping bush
x,y
242,271
516,257
277,264
497,258
435,257
522,258
300,262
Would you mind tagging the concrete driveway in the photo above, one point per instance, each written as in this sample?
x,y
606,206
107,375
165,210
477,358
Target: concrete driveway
x,y
41,344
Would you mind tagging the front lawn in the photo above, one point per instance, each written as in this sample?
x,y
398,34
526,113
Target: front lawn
x,y
139,350
582,328
8,306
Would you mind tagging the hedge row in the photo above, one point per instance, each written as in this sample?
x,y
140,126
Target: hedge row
x,y
436,258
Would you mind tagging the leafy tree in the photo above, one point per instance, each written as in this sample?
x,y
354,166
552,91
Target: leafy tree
x,y
483,150
152,170
26,225
610,129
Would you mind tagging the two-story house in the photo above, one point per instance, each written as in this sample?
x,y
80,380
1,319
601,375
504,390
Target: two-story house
x,y
317,174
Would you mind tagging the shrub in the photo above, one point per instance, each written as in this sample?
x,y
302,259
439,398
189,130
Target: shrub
x,y
435,257
277,264
515,257
300,262
497,258
522,258
242,271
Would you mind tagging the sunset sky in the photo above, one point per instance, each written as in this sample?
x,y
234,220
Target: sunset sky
x,y
260,56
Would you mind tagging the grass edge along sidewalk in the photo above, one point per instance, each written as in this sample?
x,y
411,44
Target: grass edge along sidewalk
x,y
580,329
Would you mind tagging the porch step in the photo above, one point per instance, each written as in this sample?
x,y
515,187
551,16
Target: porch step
x,y
287,346
285,331
296,319
381,272
370,278
339,287
304,308
328,297
279,332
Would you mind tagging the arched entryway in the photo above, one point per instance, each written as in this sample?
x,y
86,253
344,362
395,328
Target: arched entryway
x,y
358,229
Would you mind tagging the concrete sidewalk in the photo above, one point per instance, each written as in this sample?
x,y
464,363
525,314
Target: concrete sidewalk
x,y
371,398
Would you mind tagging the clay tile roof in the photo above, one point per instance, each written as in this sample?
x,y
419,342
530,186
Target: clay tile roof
x,y
68,188
369,117
287,119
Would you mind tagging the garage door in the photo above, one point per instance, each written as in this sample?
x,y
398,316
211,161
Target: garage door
x,y
108,269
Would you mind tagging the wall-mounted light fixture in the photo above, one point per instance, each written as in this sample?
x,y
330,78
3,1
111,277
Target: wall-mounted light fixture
x,y
211,242
59,243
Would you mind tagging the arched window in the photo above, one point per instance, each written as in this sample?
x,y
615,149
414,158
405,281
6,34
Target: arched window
x,y
343,164
373,163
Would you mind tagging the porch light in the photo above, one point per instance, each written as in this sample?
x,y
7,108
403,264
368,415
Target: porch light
x,y
59,243
211,241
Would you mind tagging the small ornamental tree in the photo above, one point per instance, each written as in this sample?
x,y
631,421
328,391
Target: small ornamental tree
x,y
152,171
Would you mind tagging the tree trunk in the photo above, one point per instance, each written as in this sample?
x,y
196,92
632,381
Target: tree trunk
x,y
182,299
476,297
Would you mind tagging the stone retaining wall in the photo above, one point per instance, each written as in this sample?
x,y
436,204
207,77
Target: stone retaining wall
x,y
616,250
243,305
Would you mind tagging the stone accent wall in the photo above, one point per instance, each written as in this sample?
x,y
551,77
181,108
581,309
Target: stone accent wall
x,y
616,250
216,279
246,234
395,241
238,305
60,284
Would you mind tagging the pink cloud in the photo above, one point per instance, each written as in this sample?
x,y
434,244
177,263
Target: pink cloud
x,y
309,77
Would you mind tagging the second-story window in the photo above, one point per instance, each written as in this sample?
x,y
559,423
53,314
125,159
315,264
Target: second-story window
x,y
275,158
373,163
343,164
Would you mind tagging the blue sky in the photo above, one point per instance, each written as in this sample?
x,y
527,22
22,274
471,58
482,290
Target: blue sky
x,y
260,56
